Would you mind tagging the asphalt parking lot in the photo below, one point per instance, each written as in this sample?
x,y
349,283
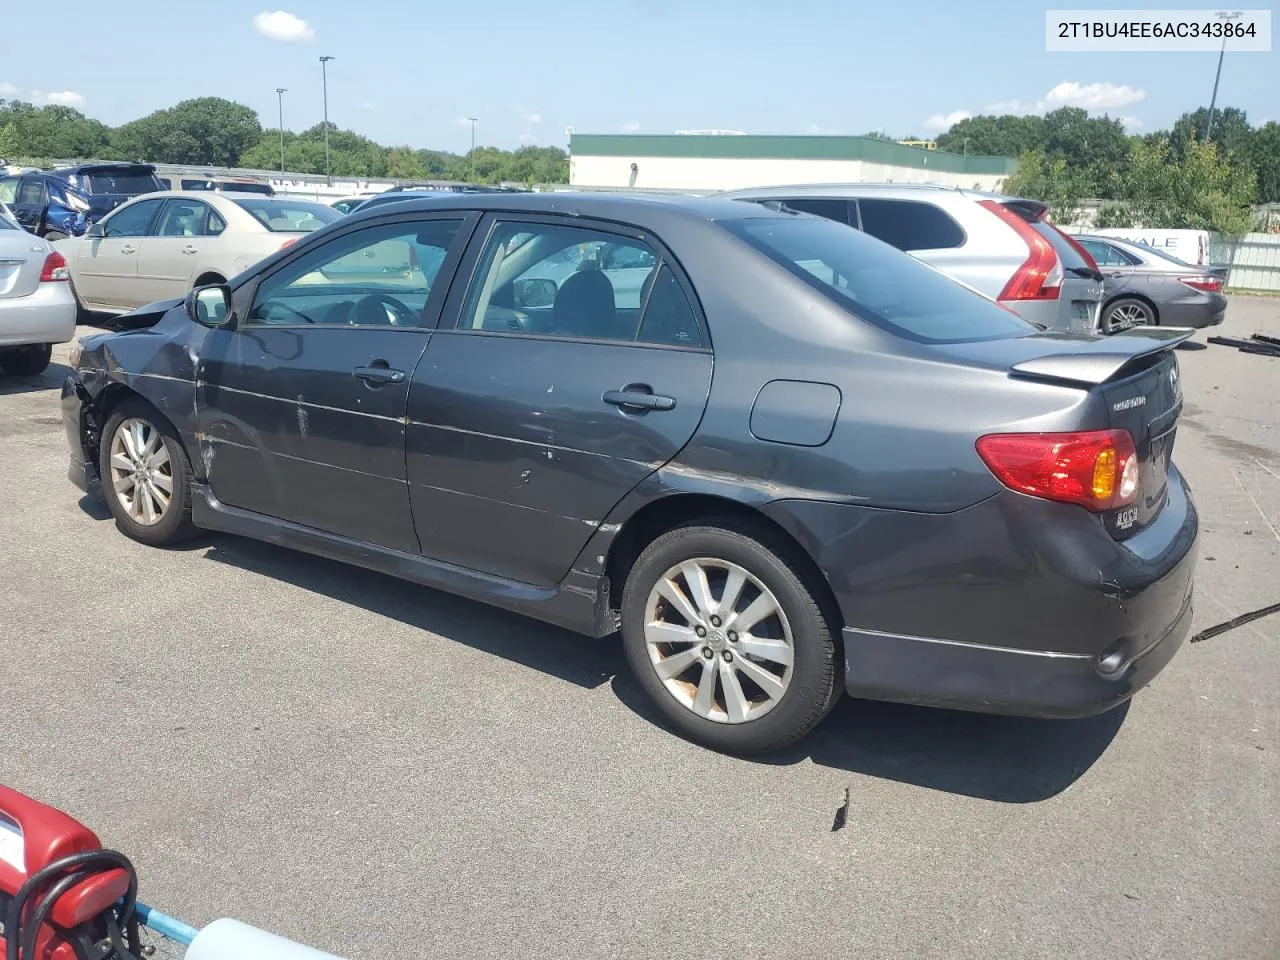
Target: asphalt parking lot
x,y
381,770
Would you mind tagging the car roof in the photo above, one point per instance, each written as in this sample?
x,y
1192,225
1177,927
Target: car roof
x,y
856,190
649,211
99,168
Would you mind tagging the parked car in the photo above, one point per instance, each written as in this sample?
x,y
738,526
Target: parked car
x,y
162,244
1005,247
1144,287
55,204
396,194
348,204
37,309
1189,246
891,485
217,184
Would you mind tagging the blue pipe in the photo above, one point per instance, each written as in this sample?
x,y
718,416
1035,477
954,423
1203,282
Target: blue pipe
x,y
165,925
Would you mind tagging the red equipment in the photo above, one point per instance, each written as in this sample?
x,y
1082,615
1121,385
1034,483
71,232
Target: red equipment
x,y
62,897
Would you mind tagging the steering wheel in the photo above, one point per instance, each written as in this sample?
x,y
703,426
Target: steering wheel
x,y
400,315
271,306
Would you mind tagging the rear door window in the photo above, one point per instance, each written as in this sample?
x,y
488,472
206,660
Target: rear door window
x,y
133,220
126,182
829,207
897,293
1106,255
909,224
31,192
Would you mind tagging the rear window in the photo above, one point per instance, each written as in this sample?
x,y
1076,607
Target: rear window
x,y
877,283
288,216
128,182
1064,248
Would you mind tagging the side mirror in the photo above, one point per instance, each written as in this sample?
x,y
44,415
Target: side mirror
x,y
532,293
96,231
210,307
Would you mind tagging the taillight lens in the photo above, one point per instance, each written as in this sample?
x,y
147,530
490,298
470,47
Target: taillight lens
x,y
55,269
1207,284
1097,469
1040,276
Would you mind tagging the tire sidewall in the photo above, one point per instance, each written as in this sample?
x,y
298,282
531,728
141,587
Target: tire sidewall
x,y
1109,326
812,689
175,525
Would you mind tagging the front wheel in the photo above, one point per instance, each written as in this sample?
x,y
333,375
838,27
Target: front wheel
x,y
726,638
26,361
146,476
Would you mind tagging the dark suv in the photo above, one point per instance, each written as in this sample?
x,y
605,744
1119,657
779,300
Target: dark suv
x,y
64,203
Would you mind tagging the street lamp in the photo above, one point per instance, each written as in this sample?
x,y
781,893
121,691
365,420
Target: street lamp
x,y
1213,101
280,92
472,155
324,77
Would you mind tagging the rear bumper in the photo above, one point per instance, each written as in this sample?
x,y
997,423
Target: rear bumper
x,y
46,316
1196,309
1014,605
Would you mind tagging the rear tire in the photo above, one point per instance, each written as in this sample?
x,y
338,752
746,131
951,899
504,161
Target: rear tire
x,y
140,455
749,691
1126,312
26,361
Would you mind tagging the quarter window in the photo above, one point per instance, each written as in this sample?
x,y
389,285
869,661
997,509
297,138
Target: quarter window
x,y
832,209
560,281
133,220
909,224
379,276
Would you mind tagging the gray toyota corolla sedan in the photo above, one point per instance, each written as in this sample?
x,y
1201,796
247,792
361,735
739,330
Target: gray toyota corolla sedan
x,y
782,458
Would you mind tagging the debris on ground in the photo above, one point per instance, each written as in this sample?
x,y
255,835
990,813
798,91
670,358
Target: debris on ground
x,y
1239,621
1258,344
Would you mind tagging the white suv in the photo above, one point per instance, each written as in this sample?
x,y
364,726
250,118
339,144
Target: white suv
x,y
1001,246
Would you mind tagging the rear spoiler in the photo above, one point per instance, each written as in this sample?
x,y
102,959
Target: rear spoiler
x,y
1100,360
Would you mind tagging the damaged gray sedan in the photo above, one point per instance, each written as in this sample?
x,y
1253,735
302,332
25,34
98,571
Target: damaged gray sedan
x,y
781,458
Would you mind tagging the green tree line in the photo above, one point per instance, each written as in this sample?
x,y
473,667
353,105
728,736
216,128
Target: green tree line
x,y
218,132
1173,178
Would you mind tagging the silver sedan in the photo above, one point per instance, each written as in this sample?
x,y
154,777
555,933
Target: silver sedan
x,y
37,307
1143,287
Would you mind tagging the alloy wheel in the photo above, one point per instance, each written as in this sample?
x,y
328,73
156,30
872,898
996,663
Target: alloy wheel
x,y
141,471
1129,315
719,641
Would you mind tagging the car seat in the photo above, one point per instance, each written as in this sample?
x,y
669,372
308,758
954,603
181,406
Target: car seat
x,y
584,307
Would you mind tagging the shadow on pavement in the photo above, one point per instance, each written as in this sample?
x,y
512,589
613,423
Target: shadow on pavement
x,y
1005,759
580,660
51,379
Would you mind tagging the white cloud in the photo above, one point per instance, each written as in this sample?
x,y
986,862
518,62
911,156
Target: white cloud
x,y
60,98
1002,107
1090,96
631,126
283,26
940,122
7,90
1131,123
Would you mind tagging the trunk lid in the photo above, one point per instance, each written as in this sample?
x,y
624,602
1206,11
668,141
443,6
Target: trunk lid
x,y
1136,377
22,257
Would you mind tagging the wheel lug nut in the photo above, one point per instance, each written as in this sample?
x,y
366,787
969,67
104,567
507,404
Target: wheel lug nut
x,y
700,630
708,652
728,656
733,637
715,621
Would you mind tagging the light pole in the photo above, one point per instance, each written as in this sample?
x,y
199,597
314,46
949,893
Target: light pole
x,y
1213,101
472,155
280,92
324,78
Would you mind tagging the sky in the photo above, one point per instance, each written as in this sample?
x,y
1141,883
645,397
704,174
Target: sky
x,y
412,71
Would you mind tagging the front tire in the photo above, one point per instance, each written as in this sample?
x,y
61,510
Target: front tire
x,y
726,638
27,361
146,476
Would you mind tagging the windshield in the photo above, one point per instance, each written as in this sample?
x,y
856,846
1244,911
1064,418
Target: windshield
x,y
288,216
877,282
130,183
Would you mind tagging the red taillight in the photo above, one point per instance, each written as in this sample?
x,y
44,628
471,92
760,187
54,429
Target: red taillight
x,y
55,269
1040,276
1097,469
1207,284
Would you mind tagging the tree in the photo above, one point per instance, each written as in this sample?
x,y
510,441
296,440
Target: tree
x,y
1264,152
8,141
404,164
1040,177
206,130
1231,132
1095,149
985,135
52,132
1200,192
1114,215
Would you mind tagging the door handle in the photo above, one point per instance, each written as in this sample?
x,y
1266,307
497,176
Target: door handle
x,y
638,396
378,375
128,249
190,250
